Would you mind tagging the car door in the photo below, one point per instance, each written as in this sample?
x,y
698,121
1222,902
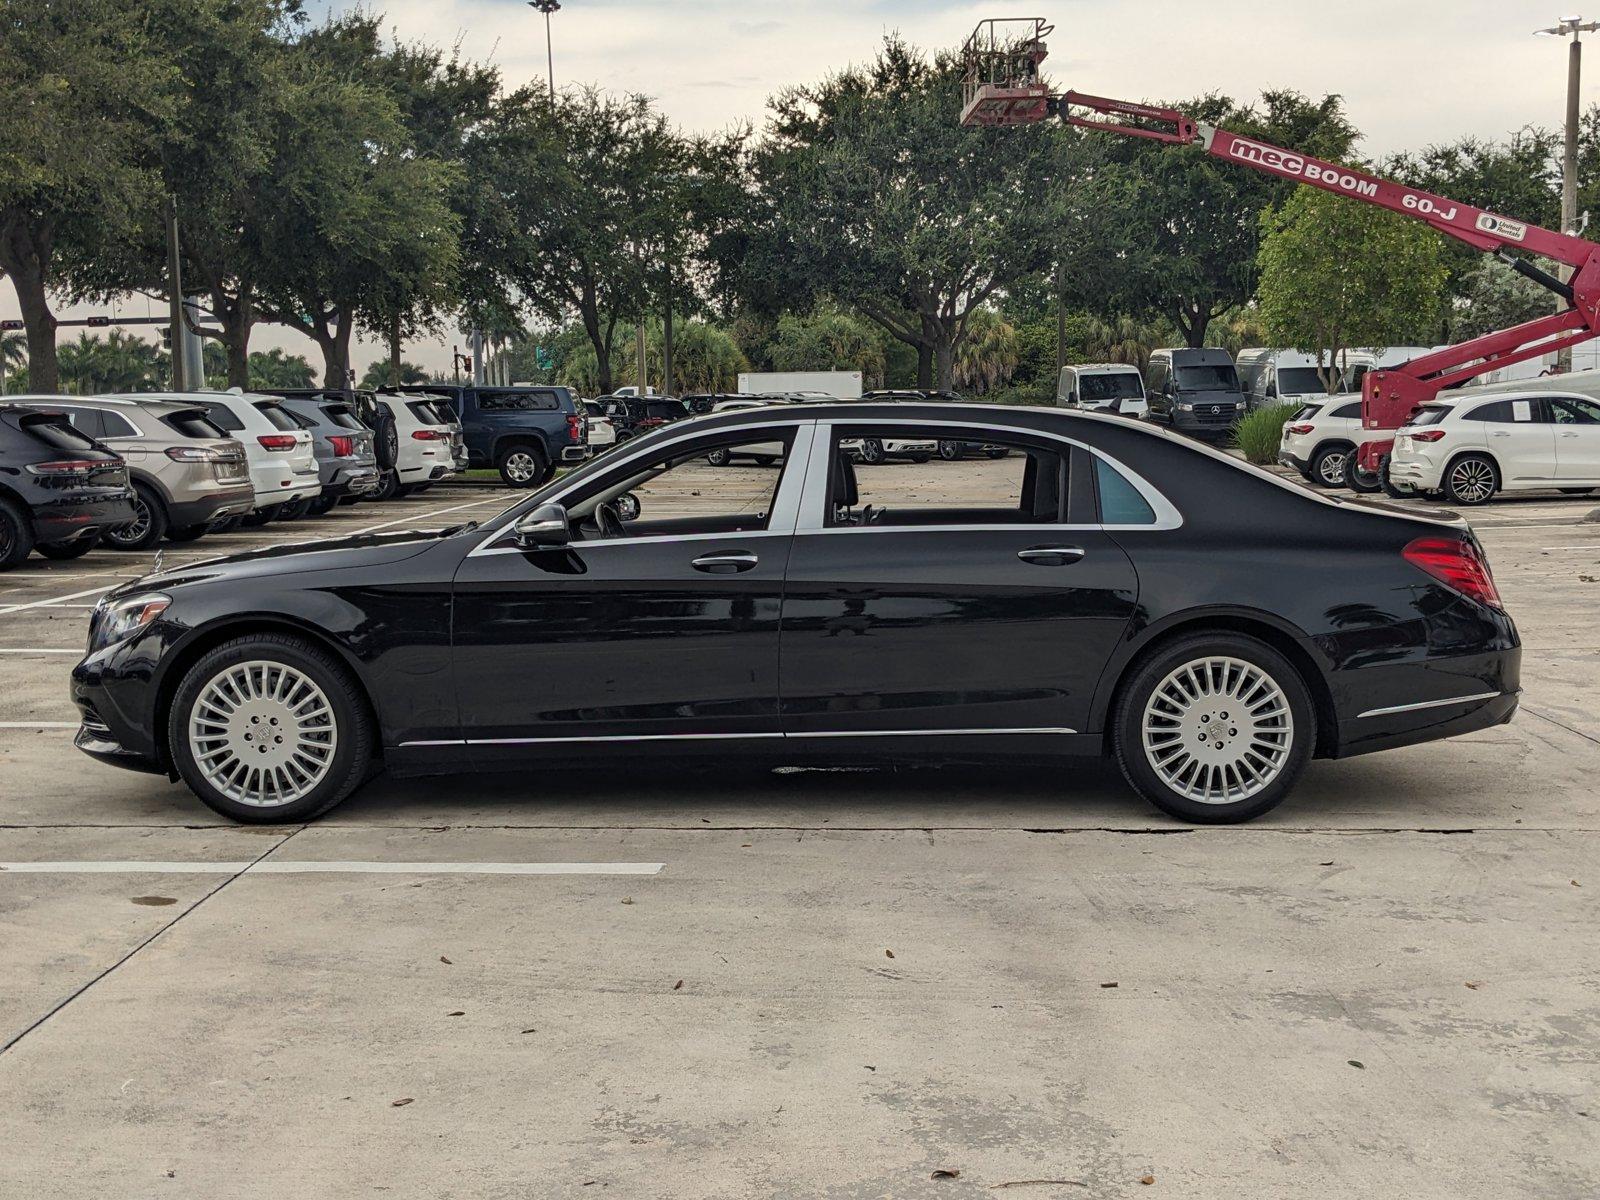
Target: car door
x,y
1577,428
1522,439
666,633
994,615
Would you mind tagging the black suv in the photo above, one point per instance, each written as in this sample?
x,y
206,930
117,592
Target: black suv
x,y
523,432
633,415
59,490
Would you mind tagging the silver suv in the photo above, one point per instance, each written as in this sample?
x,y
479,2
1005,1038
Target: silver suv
x,y
186,472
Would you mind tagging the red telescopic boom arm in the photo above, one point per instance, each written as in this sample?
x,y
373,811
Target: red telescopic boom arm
x,y
1390,396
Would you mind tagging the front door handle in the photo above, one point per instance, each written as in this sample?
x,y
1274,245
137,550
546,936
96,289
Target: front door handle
x,y
1572,433
1051,556
1502,433
726,562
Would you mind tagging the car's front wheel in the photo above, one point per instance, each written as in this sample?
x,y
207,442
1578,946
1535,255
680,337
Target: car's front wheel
x,y
1214,728
951,451
269,728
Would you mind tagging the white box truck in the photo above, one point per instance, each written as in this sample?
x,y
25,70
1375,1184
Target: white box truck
x,y
843,385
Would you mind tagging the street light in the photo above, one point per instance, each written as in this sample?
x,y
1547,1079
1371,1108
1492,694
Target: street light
x,y
1574,27
547,7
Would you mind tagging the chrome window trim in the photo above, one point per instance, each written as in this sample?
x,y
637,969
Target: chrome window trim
x,y
1422,704
765,735
814,501
780,522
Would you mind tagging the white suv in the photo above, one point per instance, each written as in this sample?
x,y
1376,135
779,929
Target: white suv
x,y
1319,439
1471,448
280,451
429,436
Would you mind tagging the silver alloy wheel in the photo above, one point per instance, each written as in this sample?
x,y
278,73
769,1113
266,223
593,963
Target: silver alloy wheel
x,y
134,529
1332,466
1472,480
1217,730
521,466
262,733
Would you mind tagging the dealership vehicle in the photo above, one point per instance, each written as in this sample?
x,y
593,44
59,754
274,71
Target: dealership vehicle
x,y
347,462
1058,611
700,403
523,432
947,448
1319,439
1474,447
1103,387
59,489
633,416
186,472
1277,376
762,453
279,453
1194,390
602,433
429,446
840,385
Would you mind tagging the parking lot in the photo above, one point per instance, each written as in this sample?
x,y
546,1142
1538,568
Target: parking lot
x,y
810,983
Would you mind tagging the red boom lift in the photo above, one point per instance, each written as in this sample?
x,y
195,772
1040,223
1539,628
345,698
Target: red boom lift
x,y
1003,87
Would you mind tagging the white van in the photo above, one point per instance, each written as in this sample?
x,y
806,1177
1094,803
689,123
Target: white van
x,y
1102,387
1274,376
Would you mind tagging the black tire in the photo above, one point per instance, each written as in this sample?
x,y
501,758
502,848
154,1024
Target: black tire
x,y
952,451
148,527
765,460
523,465
872,451
226,525
66,550
1576,491
1296,739
1329,464
293,510
386,441
16,534
720,457
406,490
920,458
388,485
997,452
352,758
322,505
1391,489
186,533
1471,480
259,517
1357,480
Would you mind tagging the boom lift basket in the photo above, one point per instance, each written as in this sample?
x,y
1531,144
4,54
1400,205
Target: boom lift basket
x,y
1000,80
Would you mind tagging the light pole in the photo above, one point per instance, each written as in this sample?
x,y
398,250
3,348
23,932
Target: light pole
x,y
1574,27
547,7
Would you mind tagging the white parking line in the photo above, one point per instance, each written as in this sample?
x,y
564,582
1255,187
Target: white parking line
x,y
292,867
438,512
40,650
49,600
38,724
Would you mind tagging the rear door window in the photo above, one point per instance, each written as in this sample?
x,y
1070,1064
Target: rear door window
x,y
1349,412
517,401
1501,412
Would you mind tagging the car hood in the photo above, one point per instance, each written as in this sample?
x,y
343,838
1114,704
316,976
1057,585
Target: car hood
x,y
358,550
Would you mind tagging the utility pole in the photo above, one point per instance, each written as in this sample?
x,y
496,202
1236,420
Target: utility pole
x,y
547,7
1575,27
175,297
1061,320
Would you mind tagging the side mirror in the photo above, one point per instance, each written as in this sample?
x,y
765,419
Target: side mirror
x,y
628,506
543,528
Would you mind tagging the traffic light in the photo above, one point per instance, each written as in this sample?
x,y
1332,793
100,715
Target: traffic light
x,y
97,322
8,326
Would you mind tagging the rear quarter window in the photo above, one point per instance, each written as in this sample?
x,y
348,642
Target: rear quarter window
x,y
1120,502
1429,414
224,417
59,435
340,415
193,425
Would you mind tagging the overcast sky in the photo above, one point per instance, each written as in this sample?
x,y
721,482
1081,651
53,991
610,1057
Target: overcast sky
x,y
1411,71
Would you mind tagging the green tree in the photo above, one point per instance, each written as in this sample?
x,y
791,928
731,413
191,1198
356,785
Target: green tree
x,y
1158,231
705,359
1493,296
86,83
382,373
1335,274
828,339
989,355
13,357
872,193
117,363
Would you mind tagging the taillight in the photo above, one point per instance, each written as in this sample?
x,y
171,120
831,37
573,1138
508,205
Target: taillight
x,y
1302,428
1457,564
429,435
194,454
574,428
1428,435
278,441
69,466
343,445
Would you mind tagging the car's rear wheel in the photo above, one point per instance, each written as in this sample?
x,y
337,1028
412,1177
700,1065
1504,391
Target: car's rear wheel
x,y
1391,489
1328,466
997,451
149,524
269,728
872,451
1471,480
16,535
951,451
260,516
720,457
66,550
186,533
293,510
522,465
1359,479
388,485
1214,728
323,505
1576,491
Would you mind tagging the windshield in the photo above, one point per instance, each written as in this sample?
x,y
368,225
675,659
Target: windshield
x,y
1119,386
1301,381
1221,377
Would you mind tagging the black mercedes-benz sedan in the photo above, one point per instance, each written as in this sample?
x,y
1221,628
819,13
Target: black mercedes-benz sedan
x,y
1103,589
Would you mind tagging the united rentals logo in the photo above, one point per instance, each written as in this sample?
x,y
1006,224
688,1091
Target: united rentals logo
x,y
1504,227
1286,162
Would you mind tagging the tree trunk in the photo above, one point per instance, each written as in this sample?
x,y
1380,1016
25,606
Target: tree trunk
x,y
24,259
237,344
394,350
335,347
924,365
945,355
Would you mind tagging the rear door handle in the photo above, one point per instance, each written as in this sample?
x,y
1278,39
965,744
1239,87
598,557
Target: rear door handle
x,y
1051,556
727,562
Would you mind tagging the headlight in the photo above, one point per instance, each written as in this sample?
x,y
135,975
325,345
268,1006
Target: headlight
x,y
118,620
1185,408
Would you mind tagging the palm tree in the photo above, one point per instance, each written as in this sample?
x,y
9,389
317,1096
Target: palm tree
x,y
13,354
988,354
118,363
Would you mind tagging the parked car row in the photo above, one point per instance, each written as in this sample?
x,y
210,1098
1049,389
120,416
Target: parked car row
x,y
191,463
